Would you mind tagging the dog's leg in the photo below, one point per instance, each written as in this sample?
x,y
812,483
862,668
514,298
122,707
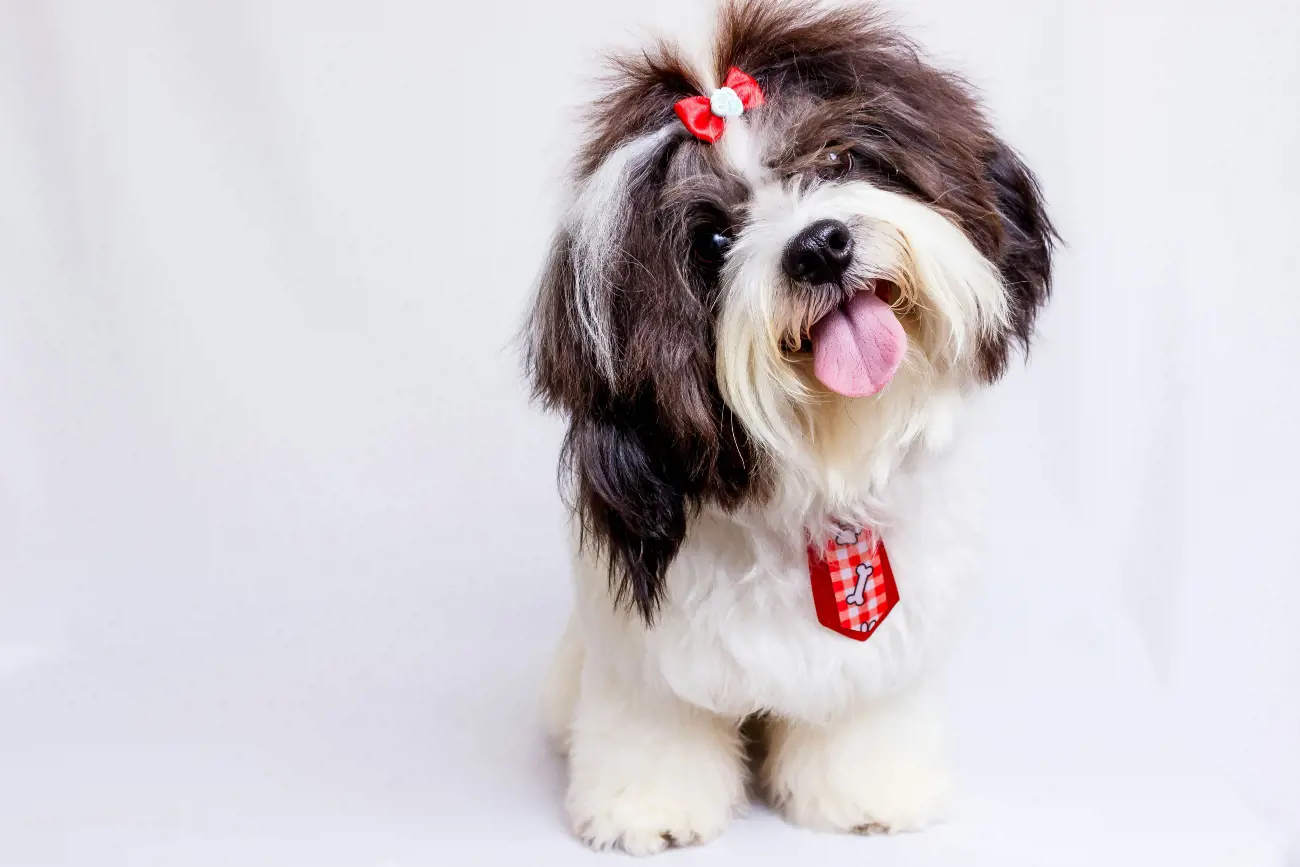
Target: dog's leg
x,y
647,770
879,770
560,689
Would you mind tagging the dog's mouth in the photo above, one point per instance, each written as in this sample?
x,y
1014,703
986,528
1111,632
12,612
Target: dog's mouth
x,y
857,344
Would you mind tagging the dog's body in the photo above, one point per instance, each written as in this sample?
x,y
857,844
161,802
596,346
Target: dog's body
x,y
720,424
738,636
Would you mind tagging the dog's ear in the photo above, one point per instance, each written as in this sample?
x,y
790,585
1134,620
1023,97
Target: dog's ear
x,y
632,493
645,445
1024,257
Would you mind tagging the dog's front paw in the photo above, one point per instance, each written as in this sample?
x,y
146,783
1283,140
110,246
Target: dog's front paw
x,y
878,772
885,799
646,770
646,818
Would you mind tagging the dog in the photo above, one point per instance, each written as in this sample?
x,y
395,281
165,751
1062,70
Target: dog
x,y
787,265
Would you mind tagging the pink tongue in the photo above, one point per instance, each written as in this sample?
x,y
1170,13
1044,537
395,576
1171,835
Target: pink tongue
x,y
858,346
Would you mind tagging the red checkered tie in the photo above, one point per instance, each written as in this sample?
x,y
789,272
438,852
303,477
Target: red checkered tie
x,y
852,584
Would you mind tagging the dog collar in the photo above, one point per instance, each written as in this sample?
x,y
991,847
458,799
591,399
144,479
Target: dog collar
x,y
706,116
853,585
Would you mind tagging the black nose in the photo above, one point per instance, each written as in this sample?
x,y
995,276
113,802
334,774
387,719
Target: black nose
x,y
820,253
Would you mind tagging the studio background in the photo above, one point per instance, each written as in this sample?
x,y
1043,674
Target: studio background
x,y
280,545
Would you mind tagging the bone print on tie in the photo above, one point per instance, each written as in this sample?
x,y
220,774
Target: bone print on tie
x,y
846,535
864,572
852,582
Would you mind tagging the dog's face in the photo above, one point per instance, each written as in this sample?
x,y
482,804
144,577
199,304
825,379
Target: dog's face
x,y
776,313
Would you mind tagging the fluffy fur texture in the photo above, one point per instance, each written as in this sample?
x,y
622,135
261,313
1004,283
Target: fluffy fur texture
x,y
702,455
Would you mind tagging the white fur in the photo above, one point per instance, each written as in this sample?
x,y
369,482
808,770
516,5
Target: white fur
x,y
954,292
741,148
878,770
647,769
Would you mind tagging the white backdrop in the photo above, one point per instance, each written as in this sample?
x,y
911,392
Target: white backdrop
x,y
262,434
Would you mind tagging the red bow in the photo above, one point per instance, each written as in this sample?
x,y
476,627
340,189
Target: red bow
x,y
698,113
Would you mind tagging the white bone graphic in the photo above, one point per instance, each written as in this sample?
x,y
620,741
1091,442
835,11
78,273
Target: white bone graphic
x,y
867,627
846,537
859,592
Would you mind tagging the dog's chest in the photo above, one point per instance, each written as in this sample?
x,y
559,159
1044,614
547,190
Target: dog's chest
x,y
741,633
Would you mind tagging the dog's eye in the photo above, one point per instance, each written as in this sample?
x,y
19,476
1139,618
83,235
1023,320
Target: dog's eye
x,y
834,162
709,246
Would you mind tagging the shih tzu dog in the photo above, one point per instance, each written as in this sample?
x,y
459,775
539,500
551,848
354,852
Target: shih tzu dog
x,y
786,265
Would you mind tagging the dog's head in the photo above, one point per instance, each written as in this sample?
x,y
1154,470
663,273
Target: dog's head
x,y
776,314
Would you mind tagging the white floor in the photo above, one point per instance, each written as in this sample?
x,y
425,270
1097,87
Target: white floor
x,y
298,746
